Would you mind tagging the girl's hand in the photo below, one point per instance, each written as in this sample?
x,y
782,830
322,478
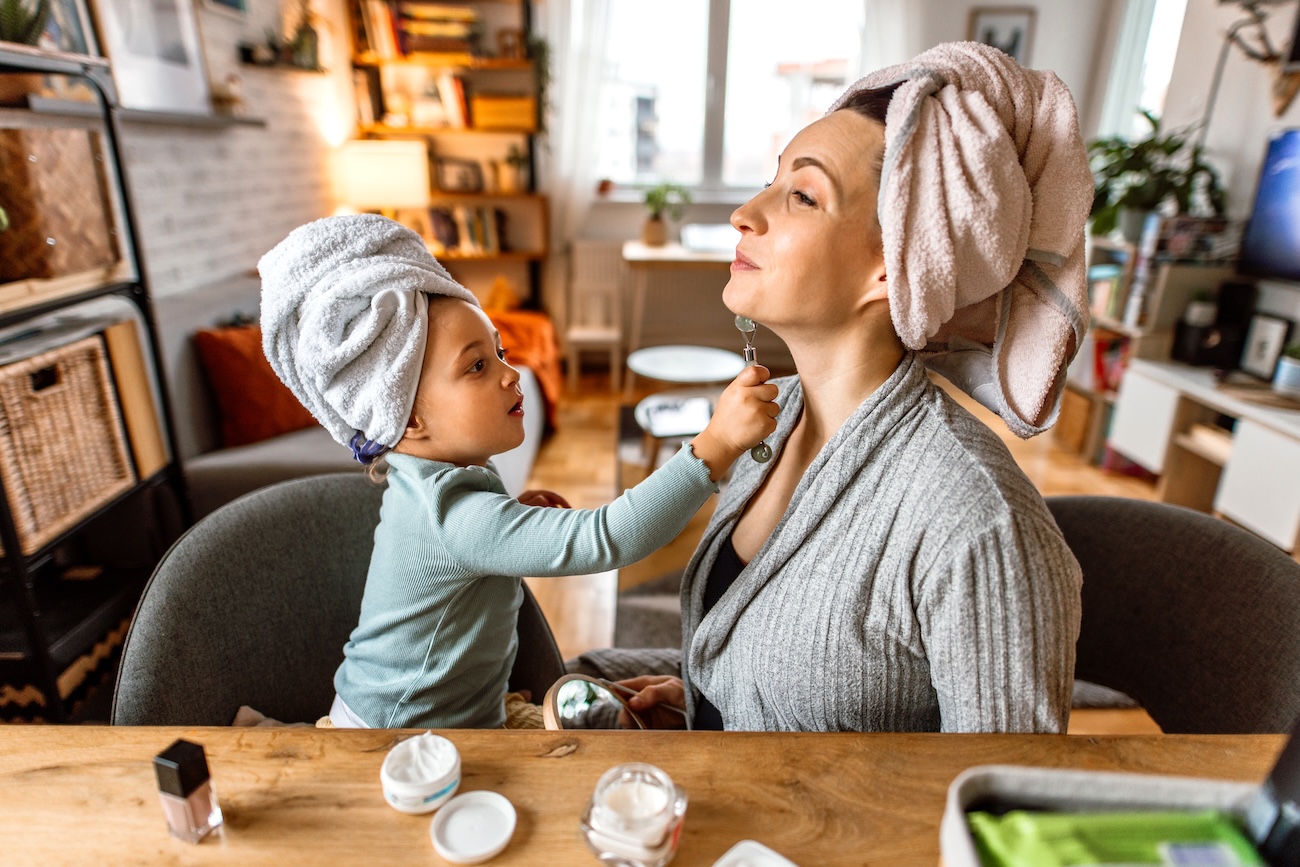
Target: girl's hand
x,y
543,498
654,690
745,416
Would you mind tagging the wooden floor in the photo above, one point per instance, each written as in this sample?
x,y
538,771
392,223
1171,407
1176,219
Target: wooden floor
x,y
580,462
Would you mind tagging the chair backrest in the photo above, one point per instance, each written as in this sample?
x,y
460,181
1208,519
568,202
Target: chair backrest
x,y
596,272
1195,619
252,606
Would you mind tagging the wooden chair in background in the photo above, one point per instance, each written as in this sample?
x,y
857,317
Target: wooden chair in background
x,y
596,276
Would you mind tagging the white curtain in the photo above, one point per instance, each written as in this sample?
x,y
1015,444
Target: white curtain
x,y
577,31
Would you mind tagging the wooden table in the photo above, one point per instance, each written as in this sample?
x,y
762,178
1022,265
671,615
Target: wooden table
x,y
87,795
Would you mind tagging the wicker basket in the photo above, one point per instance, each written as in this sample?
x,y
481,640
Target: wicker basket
x,y
62,447
52,185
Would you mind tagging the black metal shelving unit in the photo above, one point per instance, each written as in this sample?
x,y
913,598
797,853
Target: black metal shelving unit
x,y
49,623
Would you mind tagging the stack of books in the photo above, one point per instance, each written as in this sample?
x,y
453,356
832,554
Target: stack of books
x,y
468,230
437,28
391,29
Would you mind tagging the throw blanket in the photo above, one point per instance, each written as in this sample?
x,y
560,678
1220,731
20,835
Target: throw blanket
x,y
983,200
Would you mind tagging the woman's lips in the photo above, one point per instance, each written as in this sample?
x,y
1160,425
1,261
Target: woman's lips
x,y
743,263
518,408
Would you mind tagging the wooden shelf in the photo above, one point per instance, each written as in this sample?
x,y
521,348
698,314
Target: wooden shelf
x,y
506,256
1118,327
486,196
379,129
1212,444
466,62
24,294
76,108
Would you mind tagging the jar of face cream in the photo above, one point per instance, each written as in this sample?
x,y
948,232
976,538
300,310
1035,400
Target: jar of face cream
x,y
635,816
420,773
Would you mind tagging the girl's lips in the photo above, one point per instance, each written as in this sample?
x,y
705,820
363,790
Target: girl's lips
x,y
518,408
743,263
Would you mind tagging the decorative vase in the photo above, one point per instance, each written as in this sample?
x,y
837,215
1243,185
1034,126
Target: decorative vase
x,y
1131,222
510,178
655,232
1286,376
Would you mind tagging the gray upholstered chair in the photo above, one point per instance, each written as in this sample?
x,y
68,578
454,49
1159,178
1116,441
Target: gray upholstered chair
x,y
253,604
1197,620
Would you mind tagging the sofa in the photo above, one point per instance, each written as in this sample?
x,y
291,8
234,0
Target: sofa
x,y
215,475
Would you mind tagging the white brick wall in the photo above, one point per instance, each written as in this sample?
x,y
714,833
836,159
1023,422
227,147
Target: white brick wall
x,y
209,201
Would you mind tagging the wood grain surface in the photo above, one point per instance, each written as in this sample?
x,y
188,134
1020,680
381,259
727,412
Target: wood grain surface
x,y
87,795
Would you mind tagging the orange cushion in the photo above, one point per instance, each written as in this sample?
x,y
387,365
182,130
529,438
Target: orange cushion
x,y
253,403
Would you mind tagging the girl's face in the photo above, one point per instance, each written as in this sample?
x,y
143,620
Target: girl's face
x,y
468,404
810,247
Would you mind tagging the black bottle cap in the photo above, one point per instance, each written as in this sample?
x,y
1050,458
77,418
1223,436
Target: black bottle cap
x,y
181,768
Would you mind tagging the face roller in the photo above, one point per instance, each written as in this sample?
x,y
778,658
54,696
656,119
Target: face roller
x,y
761,452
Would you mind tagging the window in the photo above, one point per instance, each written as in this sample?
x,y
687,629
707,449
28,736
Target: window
x,y
1143,64
766,71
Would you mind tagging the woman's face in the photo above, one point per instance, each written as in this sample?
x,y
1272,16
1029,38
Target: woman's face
x,y
810,247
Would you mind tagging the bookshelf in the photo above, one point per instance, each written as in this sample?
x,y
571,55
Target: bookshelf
x,y
458,77
75,553
1137,293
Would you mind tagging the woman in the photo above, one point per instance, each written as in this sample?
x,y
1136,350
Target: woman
x,y
891,568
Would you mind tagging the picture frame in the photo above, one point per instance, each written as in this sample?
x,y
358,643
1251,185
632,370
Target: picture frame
x,y
156,55
456,175
1264,341
1007,28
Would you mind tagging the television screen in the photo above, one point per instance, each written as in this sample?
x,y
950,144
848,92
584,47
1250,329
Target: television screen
x,y
1270,247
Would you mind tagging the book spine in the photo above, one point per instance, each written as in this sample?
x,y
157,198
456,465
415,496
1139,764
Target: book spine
x,y
135,396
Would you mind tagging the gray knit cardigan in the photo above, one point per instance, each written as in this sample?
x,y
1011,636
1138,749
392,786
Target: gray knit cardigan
x,y
916,582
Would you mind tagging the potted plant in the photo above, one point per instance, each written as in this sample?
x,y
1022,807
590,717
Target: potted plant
x,y
1286,378
1133,179
512,173
21,21
665,198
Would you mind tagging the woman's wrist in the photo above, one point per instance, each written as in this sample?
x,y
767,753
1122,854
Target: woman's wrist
x,y
716,455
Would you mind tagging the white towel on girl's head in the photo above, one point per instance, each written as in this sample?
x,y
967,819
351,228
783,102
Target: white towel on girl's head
x,y
345,320
984,196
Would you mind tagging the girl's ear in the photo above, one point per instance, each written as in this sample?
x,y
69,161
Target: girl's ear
x,y
415,429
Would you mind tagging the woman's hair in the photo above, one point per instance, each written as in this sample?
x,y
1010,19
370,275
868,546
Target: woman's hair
x,y
873,104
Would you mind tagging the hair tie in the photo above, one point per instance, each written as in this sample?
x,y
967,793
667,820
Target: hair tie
x,y
365,450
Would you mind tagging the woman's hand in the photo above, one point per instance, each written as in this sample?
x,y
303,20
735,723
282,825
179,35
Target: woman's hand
x,y
655,694
745,416
543,498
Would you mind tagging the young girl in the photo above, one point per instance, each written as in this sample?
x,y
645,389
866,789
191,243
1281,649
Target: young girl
x,y
396,359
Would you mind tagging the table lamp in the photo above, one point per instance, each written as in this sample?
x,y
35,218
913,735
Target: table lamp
x,y
383,176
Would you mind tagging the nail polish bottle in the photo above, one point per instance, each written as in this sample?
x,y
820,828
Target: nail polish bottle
x,y
185,788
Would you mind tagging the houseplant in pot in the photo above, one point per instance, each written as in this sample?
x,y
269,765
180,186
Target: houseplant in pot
x,y
1286,378
665,198
21,21
1134,179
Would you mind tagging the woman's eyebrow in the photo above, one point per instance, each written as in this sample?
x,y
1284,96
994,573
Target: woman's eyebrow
x,y
800,162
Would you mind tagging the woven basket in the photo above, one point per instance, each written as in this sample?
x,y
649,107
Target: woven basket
x,y
52,185
62,447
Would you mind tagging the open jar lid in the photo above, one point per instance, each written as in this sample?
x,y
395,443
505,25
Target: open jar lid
x,y
473,827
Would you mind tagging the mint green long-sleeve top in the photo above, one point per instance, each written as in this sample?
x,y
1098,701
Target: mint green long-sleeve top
x,y
435,641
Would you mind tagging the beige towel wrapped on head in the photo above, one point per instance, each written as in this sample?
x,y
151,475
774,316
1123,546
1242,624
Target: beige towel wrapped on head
x,y
983,200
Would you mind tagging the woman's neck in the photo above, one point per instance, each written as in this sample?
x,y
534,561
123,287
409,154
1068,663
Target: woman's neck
x,y
838,372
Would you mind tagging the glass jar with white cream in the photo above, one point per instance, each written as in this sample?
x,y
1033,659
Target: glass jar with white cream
x,y
635,816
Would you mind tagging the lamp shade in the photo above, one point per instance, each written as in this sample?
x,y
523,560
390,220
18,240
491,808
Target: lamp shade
x,y
384,174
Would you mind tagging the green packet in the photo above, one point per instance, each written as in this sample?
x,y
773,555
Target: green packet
x,y
1026,838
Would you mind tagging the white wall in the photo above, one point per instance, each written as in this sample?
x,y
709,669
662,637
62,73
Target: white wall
x,y
1243,114
210,201
1067,38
